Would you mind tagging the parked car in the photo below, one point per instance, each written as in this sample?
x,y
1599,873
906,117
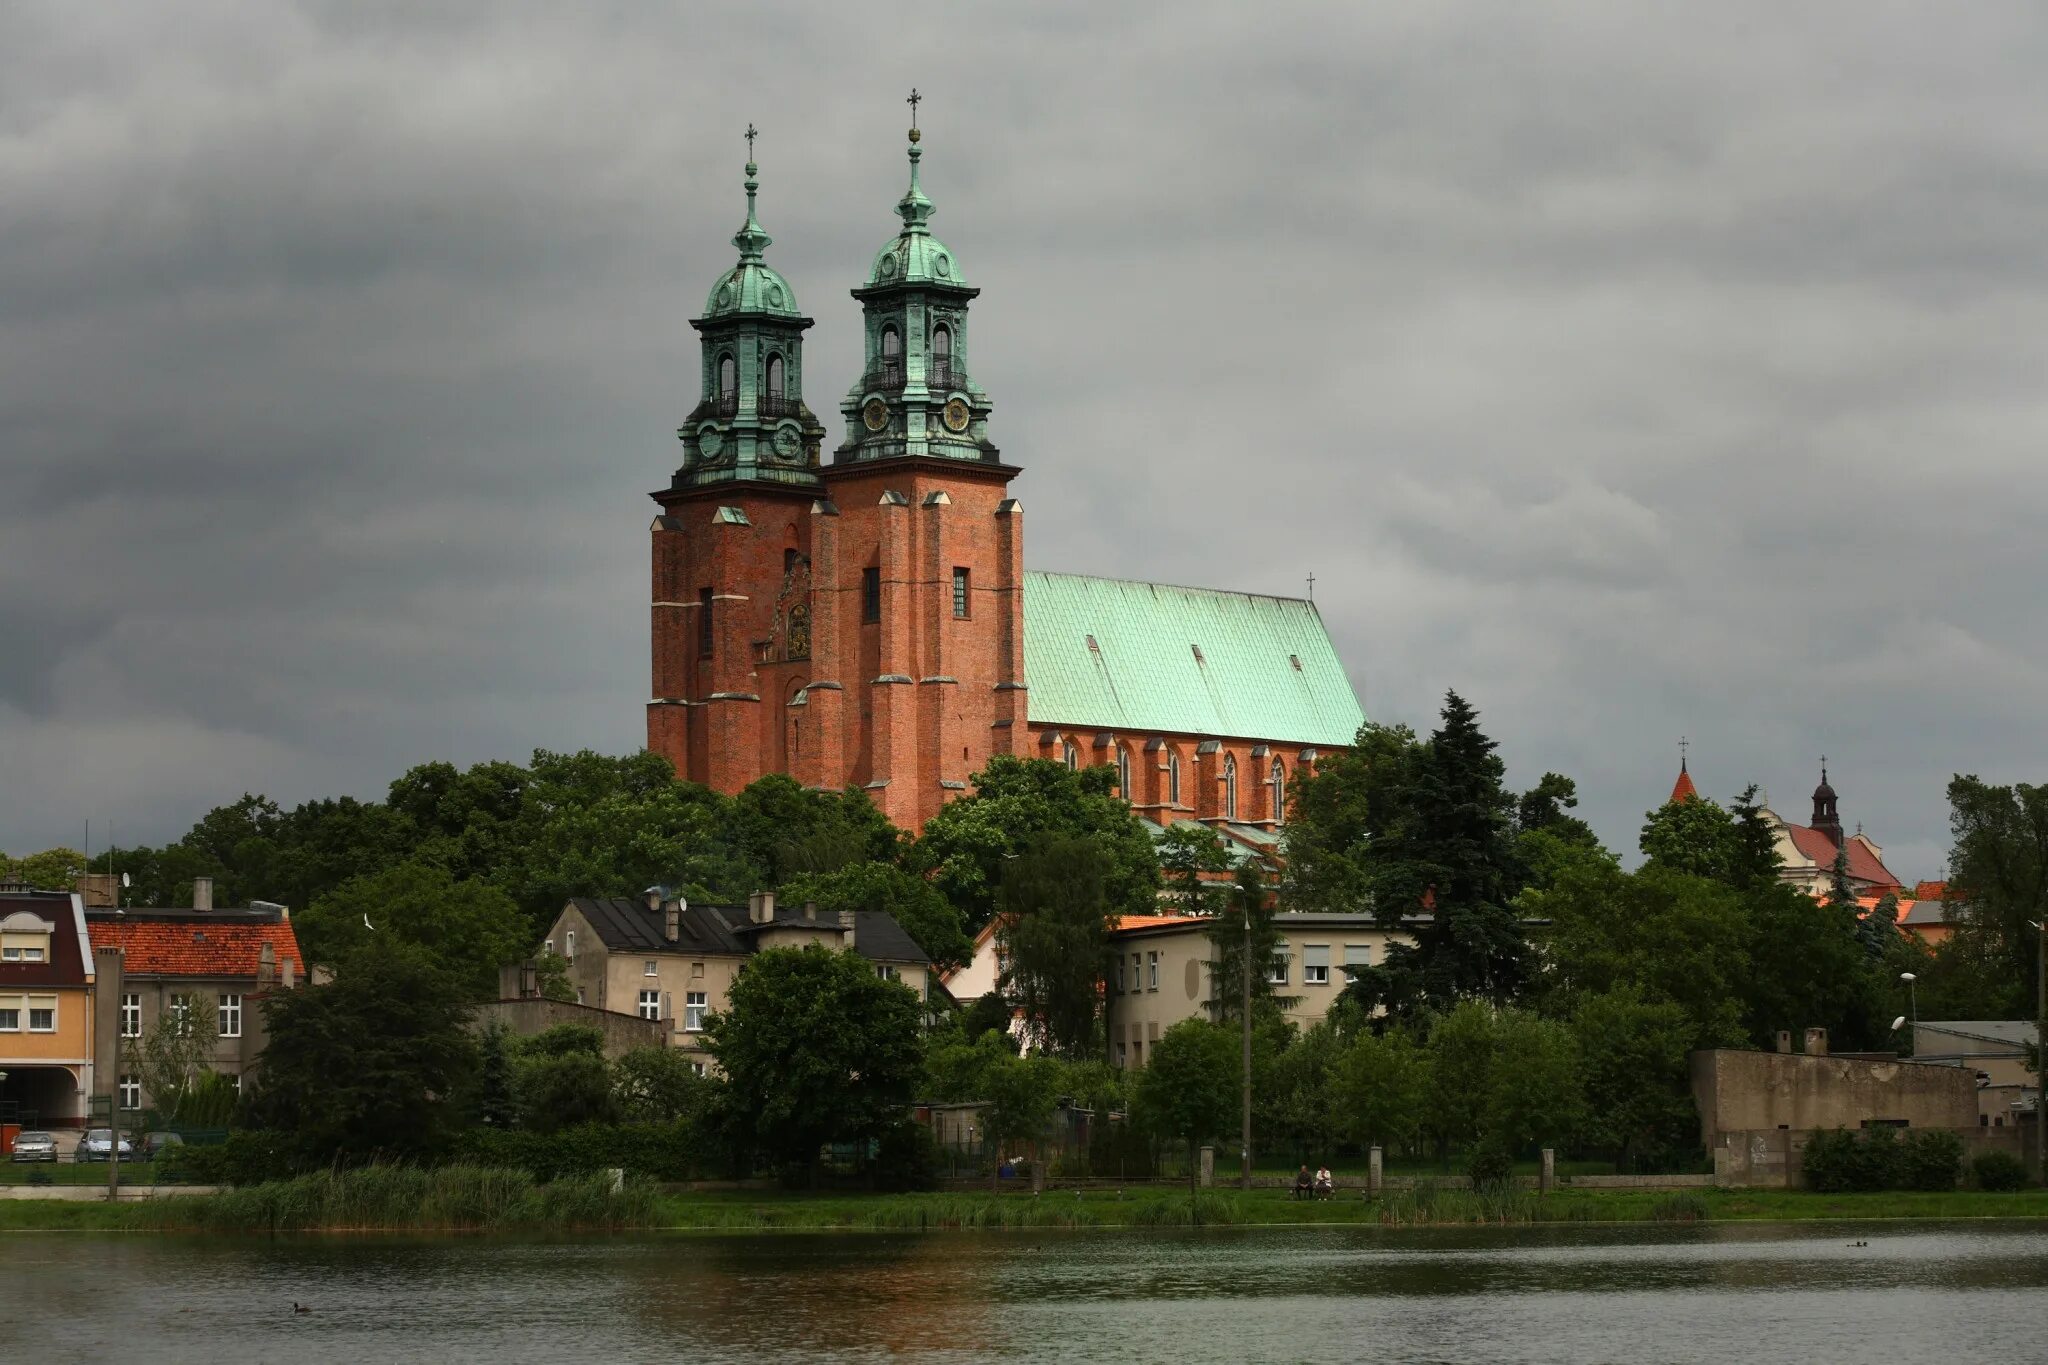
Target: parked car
x,y
155,1145
97,1145
35,1146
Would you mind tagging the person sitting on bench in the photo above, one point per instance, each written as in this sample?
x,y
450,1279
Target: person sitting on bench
x,y
1304,1184
1326,1184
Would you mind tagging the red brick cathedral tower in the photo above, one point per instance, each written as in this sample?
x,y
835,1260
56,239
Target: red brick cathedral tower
x,y
857,624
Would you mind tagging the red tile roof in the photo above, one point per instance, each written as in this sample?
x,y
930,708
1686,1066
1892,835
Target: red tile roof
x,y
1683,789
1864,866
1930,891
1147,921
196,945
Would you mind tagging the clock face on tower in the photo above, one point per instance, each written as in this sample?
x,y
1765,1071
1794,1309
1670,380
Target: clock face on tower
x,y
875,415
787,442
709,441
957,415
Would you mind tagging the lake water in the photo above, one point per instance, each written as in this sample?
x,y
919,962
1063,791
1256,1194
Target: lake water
x,y
1946,1293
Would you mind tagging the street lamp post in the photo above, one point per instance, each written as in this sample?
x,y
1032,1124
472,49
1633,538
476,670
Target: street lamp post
x,y
1913,1003
2040,1049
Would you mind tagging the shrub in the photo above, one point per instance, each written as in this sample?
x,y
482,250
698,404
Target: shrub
x,y
248,1157
1930,1159
663,1151
1683,1207
1998,1171
1490,1167
905,1158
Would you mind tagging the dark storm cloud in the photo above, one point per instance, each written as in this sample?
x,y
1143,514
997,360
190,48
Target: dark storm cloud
x,y
1636,370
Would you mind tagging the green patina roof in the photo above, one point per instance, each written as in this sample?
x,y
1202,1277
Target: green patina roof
x,y
752,286
1109,653
914,256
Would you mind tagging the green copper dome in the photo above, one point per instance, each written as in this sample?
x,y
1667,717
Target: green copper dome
x,y
751,286
914,256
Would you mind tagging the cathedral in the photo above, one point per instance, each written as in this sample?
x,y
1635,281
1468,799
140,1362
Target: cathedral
x,y
865,619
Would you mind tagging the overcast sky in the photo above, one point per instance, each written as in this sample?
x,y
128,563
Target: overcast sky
x,y
1637,369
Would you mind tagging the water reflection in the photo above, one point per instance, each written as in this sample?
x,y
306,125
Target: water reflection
x,y
1915,1293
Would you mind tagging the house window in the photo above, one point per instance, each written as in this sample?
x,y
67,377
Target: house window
x,y
180,1010
1123,772
650,1004
20,954
1151,971
693,1011
1277,972
131,1016
705,635
131,1092
959,593
1229,786
579,995
229,1016
236,1081
1279,793
1122,1053
42,1015
569,945
1137,969
1315,964
650,968
10,1018
700,1069
775,376
871,594
1119,974
1356,955
1173,779
887,972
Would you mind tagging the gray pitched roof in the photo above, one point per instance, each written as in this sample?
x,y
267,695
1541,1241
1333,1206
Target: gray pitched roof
x,y
625,924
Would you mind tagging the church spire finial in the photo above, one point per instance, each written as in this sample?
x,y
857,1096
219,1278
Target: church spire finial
x,y
750,239
914,208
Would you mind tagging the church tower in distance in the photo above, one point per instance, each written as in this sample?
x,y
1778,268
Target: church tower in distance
x,y
853,624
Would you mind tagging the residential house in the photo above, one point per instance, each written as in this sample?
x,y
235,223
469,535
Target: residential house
x,y
1994,1051
1163,972
46,1014
153,963
661,958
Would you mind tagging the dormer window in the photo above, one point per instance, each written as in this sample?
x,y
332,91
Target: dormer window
x,y
25,938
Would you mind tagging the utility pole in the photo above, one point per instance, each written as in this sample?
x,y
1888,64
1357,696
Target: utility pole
x,y
2041,1050
1244,1149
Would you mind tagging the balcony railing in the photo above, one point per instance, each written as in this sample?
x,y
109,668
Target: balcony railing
x,y
778,405
886,377
727,404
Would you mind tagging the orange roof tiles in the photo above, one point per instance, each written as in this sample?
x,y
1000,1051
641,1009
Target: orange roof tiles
x,y
1930,891
1148,921
193,946
1683,789
1864,866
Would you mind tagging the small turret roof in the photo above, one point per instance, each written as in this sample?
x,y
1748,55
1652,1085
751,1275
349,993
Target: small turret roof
x,y
914,256
752,286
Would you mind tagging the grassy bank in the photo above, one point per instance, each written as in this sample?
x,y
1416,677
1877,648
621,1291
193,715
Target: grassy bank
x,y
469,1199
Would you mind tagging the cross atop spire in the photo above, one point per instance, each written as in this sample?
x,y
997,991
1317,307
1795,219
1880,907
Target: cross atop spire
x,y
914,100
750,239
751,135
1683,745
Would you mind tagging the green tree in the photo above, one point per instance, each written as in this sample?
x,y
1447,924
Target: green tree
x,y
1189,1090
1186,854
788,830
1053,926
1694,837
1753,860
1342,812
1016,800
1020,1094
1638,1087
1380,1090
1807,969
1535,1092
563,1089
989,1013
467,928
367,1065
1298,1081
1248,900
174,1054
911,900
497,1106
1461,1047
1998,875
658,1085
815,1049
54,869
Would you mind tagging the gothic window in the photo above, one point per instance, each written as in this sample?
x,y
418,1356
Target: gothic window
x,y
1229,786
942,353
704,631
1070,756
775,376
1173,779
728,379
1123,772
871,595
1279,793
960,593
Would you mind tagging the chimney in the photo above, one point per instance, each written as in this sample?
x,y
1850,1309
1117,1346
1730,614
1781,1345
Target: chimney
x,y
1784,1040
652,895
266,965
846,930
202,893
811,911
1816,1042
672,924
767,907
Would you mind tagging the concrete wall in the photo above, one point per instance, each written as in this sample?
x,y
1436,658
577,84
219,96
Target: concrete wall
x,y
1774,1158
1740,1091
524,1018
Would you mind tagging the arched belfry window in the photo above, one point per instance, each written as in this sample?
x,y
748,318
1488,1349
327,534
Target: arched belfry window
x,y
892,344
1279,793
1070,756
728,378
942,352
775,376
1123,771
1229,786
1173,779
